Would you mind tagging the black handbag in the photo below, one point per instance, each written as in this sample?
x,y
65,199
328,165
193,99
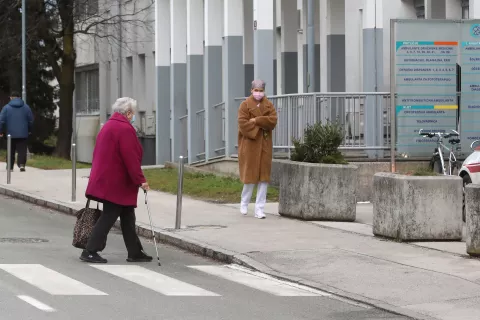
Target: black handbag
x,y
86,220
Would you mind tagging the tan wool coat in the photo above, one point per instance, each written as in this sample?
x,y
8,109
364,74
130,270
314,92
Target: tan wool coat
x,y
255,146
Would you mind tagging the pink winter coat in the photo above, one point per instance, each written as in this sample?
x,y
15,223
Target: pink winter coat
x,y
116,173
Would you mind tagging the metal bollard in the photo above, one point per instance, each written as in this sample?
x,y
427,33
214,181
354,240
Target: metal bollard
x,y
9,159
178,218
74,173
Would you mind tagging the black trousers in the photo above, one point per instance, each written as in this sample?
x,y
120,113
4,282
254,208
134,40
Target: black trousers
x,y
110,214
18,145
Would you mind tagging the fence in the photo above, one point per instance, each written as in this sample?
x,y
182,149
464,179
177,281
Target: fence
x,y
199,135
297,112
365,118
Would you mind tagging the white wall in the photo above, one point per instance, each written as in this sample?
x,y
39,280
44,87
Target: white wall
x,y
392,9
354,45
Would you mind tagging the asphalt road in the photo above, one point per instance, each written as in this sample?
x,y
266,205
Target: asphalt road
x,y
46,280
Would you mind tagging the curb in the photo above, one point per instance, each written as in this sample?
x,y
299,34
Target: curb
x,y
219,254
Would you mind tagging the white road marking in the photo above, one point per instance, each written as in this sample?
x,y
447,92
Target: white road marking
x,y
154,281
49,280
37,304
260,281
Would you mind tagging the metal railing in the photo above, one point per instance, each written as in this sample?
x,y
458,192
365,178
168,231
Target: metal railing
x,y
297,111
219,109
365,118
200,133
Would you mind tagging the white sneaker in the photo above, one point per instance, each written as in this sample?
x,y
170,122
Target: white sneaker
x,y
243,210
259,215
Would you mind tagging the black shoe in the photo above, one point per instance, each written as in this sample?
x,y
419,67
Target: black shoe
x,y
141,257
92,257
22,169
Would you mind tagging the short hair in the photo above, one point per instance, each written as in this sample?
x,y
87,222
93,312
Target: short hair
x,y
15,94
125,104
258,84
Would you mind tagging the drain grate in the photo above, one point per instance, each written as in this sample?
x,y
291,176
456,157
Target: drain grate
x,y
22,240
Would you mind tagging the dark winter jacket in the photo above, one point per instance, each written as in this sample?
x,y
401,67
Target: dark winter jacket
x,y
116,173
16,119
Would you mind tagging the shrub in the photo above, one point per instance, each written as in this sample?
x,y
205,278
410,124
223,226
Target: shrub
x,y
321,142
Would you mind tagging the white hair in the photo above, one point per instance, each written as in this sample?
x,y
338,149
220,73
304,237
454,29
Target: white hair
x,y
125,104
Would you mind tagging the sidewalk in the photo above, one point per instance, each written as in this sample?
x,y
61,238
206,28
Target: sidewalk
x,y
403,278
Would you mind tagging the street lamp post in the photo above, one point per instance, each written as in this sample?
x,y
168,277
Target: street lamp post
x,y
24,51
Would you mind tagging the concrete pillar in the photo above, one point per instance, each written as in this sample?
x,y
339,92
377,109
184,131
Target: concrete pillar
x,y
196,120
301,42
289,53
162,83
178,75
373,73
278,47
318,66
453,9
263,37
435,9
273,91
472,215
233,76
317,50
335,46
213,77
248,44
474,8
324,30
104,87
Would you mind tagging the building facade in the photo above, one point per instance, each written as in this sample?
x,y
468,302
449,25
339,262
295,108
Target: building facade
x,y
189,61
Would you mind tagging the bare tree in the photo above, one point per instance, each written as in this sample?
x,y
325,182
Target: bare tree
x,y
59,22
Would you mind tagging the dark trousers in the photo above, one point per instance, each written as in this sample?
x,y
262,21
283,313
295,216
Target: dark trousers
x,y
110,214
18,145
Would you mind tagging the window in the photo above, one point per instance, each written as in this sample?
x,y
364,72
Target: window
x,y
465,9
419,8
85,8
128,89
142,76
87,92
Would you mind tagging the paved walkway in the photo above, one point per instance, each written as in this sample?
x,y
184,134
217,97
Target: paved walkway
x,y
404,278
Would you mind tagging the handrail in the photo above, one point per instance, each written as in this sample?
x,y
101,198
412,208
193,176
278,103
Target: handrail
x,y
328,94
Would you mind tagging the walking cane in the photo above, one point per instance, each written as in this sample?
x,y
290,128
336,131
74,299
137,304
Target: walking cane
x,y
151,227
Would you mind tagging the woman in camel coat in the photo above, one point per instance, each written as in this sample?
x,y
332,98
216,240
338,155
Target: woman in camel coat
x,y
256,120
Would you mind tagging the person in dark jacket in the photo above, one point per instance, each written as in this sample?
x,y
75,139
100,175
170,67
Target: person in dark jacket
x,y
16,119
115,179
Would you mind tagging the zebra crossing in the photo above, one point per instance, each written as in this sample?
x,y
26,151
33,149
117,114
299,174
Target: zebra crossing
x,y
56,283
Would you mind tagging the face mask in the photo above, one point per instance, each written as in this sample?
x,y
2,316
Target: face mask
x,y
258,95
133,119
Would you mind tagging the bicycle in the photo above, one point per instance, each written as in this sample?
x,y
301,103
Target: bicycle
x,y
437,163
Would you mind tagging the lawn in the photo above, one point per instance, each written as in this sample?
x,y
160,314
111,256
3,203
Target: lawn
x,y
207,187
202,186
47,162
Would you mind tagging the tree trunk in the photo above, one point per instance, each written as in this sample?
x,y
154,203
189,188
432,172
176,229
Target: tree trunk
x,y
64,137
67,85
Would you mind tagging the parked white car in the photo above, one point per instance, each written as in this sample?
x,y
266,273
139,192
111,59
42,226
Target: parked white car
x,y
470,170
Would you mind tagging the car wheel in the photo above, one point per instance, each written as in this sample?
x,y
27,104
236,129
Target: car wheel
x,y
466,180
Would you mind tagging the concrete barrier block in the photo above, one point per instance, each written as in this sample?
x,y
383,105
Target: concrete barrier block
x,y
472,209
410,208
310,191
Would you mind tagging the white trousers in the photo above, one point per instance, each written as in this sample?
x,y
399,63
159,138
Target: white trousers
x,y
247,196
